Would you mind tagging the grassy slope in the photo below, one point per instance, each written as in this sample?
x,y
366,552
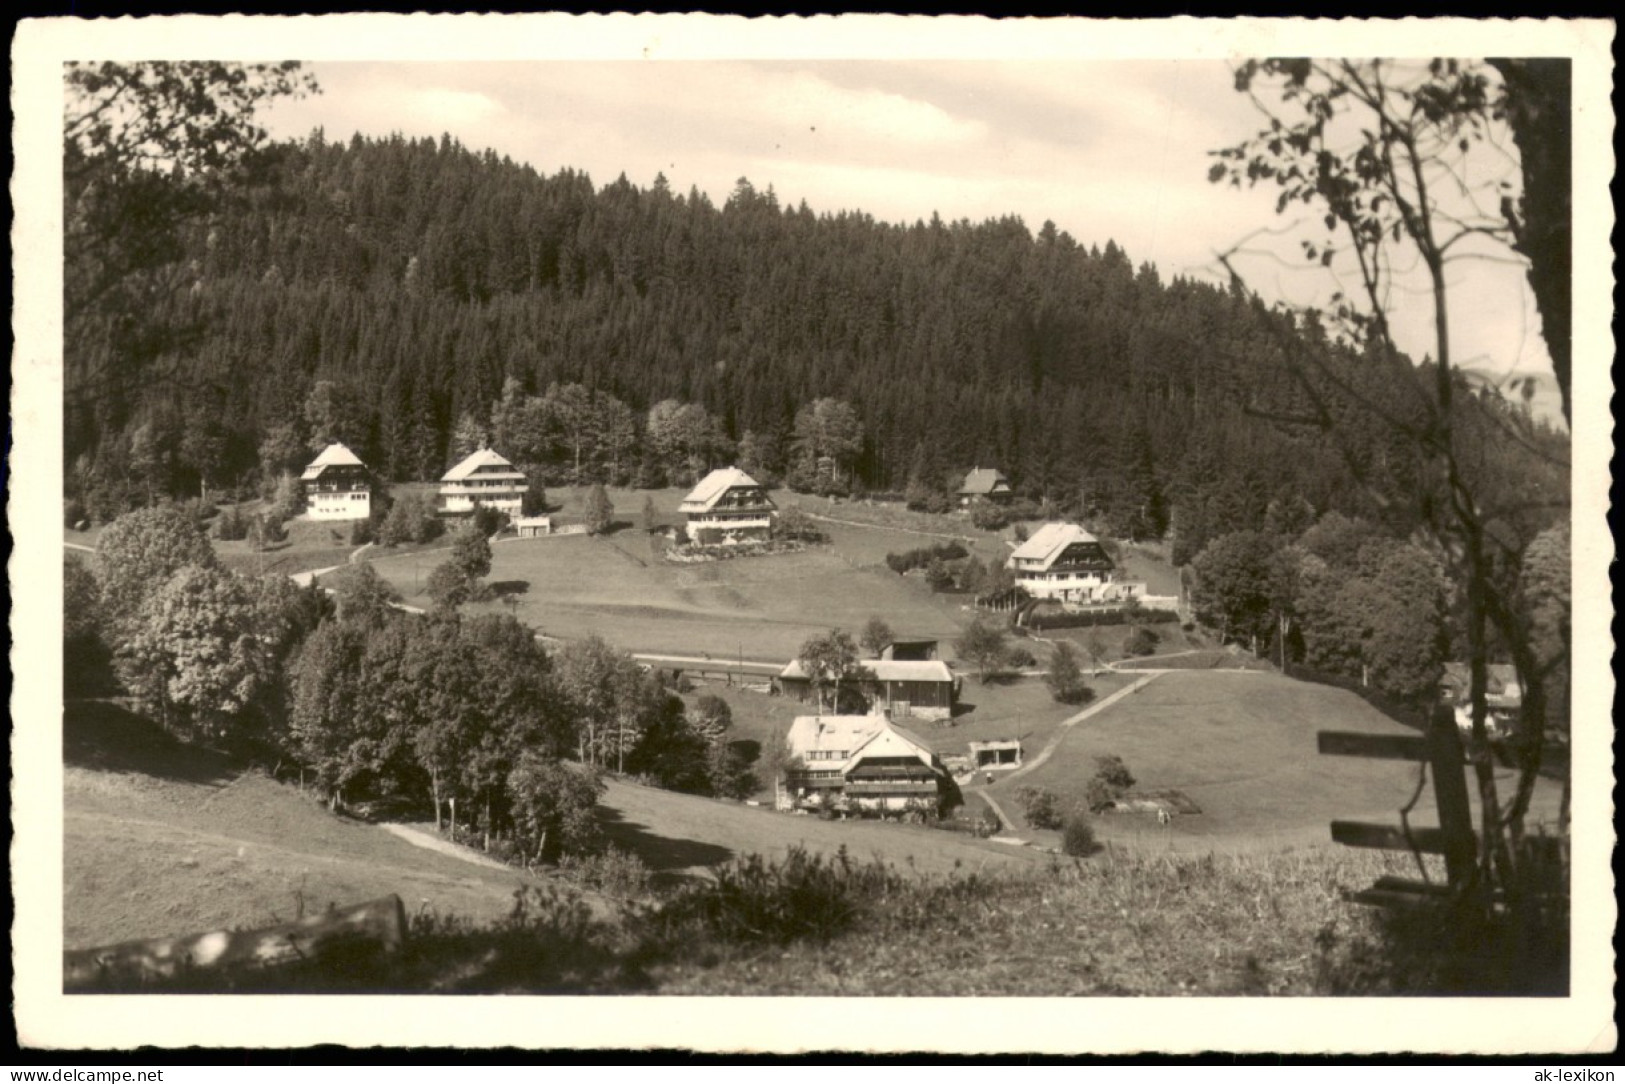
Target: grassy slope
x,y
760,607
681,833
165,839
1243,747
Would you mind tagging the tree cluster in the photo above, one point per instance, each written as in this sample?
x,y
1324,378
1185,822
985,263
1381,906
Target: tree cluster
x,y
469,716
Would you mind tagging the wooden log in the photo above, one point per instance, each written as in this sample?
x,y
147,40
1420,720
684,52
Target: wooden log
x,y
1343,743
379,925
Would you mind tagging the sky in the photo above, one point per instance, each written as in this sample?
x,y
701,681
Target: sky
x,y
1106,149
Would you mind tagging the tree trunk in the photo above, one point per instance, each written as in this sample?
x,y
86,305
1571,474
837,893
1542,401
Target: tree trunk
x,y
434,792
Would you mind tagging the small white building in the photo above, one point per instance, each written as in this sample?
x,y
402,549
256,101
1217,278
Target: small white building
x,y
860,762
730,503
483,478
1065,562
337,485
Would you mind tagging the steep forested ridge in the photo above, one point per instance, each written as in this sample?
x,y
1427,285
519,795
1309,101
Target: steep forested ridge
x,y
418,277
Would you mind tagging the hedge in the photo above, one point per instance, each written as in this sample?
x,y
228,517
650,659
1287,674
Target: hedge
x,y
1039,622
919,558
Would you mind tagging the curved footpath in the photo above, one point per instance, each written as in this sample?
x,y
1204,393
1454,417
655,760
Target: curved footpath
x,y
1055,740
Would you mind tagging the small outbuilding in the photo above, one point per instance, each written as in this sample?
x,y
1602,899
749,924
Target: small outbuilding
x,y
995,755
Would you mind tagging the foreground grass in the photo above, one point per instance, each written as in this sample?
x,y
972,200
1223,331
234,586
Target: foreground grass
x,y
822,926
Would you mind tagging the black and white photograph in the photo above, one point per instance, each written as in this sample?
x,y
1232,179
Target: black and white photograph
x,y
989,525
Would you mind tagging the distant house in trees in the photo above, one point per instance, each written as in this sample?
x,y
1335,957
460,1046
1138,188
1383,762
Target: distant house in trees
x,y
728,506
860,762
923,688
337,485
1063,561
484,477
1503,695
984,484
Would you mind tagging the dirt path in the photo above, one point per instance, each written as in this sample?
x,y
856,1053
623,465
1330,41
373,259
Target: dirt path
x,y
419,838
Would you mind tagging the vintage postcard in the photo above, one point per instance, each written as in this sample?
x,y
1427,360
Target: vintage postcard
x,y
863,533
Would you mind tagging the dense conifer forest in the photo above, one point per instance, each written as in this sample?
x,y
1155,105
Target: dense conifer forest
x,y
413,297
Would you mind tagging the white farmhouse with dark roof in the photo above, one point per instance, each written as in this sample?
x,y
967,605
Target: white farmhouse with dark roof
x,y
859,762
1065,562
484,477
730,503
337,485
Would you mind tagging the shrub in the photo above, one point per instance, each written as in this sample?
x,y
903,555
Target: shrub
x,y
1139,641
73,513
232,526
614,872
1039,807
1078,837
988,517
361,532
1109,783
489,520
1020,658
1112,769
920,558
709,536
759,900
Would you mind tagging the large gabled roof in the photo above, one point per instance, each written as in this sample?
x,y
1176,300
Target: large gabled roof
x,y
334,455
853,735
714,485
1049,541
485,457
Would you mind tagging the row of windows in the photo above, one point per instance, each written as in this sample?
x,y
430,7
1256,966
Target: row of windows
x,y
827,754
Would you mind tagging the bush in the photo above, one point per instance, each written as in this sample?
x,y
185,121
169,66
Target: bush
x,y
920,558
614,872
1039,807
1111,781
1114,771
232,526
1019,658
988,517
73,513
761,900
489,520
1078,837
361,533
1140,641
